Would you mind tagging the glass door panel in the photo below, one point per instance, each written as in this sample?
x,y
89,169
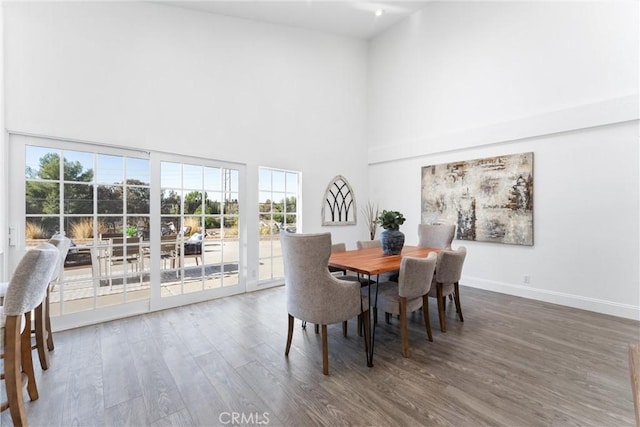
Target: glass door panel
x,y
91,199
200,213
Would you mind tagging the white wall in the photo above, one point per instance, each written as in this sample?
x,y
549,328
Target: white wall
x,y
460,81
155,77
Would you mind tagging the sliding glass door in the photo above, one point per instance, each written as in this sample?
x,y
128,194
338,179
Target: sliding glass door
x,y
149,230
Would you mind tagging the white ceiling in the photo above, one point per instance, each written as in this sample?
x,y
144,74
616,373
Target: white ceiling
x,y
354,18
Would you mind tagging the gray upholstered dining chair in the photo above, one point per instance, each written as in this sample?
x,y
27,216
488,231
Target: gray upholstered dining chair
x,y
341,247
409,294
337,247
313,294
445,281
437,236
364,282
366,244
27,289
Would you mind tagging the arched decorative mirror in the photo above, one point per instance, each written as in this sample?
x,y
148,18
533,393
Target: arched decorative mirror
x,y
339,204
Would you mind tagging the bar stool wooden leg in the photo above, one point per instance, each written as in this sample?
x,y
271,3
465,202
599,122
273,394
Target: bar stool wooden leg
x,y
13,371
40,335
27,360
47,320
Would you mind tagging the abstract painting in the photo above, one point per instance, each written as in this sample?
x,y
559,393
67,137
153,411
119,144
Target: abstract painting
x,y
491,199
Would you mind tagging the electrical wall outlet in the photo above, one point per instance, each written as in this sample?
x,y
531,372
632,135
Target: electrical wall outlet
x,y
526,279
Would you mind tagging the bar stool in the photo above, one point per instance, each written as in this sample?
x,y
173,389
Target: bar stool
x,y
41,319
42,322
26,290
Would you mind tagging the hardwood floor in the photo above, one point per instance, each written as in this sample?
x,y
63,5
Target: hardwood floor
x,y
513,362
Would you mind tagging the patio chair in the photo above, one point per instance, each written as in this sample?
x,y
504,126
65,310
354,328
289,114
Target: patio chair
x,y
124,252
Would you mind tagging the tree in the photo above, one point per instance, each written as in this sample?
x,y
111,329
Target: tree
x,y
170,202
44,197
49,168
137,197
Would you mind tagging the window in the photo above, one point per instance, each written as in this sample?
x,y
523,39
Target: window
x,y
278,211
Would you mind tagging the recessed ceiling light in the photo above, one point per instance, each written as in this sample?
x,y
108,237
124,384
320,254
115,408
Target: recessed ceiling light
x,y
379,12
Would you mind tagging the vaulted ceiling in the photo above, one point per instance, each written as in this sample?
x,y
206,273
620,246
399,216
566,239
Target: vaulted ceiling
x,y
349,18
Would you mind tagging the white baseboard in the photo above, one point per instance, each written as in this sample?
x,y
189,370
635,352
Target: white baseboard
x,y
100,315
576,301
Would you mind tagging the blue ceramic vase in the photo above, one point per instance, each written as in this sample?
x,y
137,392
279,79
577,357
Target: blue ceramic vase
x,y
392,241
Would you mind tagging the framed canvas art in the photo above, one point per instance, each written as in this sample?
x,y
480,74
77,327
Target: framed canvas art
x,y
490,199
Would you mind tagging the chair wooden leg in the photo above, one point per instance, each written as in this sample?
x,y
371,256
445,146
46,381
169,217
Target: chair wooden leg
x,y
456,299
325,351
425,314
440,298
13,371
40,334
289,335
47,320
404,327
344,328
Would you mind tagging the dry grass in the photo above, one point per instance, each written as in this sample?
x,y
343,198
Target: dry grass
x,y
34,231
265,230
194,223
231,232
83,229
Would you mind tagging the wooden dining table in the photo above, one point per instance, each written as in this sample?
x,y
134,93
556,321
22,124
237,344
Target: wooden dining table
x,y
373,262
